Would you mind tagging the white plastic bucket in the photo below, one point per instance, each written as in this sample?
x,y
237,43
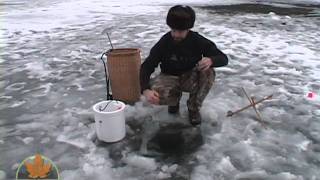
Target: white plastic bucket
x,y
110,120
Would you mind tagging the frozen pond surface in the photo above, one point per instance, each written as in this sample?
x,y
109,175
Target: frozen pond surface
x,y
51,76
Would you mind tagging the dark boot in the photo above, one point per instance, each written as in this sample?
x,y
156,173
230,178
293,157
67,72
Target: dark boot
x,y
173,109
194,118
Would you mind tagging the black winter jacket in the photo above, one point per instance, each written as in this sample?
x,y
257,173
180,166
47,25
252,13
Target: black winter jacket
x,y
178,58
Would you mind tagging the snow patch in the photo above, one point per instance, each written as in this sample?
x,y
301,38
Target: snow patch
x,y
17,104
75,142
27,140
16,86
45,140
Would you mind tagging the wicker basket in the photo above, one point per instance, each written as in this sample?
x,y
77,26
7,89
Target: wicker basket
x,y
123,69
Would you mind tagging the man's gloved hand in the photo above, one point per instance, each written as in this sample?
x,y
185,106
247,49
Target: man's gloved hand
x,y
152,96
204,64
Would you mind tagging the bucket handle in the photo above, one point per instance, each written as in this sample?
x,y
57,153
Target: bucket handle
x,y
109,95
104,108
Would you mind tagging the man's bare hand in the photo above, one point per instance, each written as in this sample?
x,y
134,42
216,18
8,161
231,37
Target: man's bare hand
x,y
204,64
152,96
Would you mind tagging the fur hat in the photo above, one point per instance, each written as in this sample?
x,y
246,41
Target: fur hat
x,y
181,17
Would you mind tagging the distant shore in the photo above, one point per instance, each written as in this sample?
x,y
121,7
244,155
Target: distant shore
x,y
282,9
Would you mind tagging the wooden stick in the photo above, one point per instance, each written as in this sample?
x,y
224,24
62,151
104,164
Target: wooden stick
x,y
258,114
230,113
251,100
256,110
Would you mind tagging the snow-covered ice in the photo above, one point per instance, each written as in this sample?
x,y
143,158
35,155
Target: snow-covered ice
x,y
51,76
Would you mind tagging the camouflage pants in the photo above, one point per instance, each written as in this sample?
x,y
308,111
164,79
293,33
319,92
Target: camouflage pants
x,y
195,82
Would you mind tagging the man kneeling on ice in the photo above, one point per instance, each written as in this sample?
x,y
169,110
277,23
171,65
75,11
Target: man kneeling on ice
x,y
186,60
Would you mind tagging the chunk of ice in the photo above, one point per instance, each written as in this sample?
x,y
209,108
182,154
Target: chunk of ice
x,y
141,162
